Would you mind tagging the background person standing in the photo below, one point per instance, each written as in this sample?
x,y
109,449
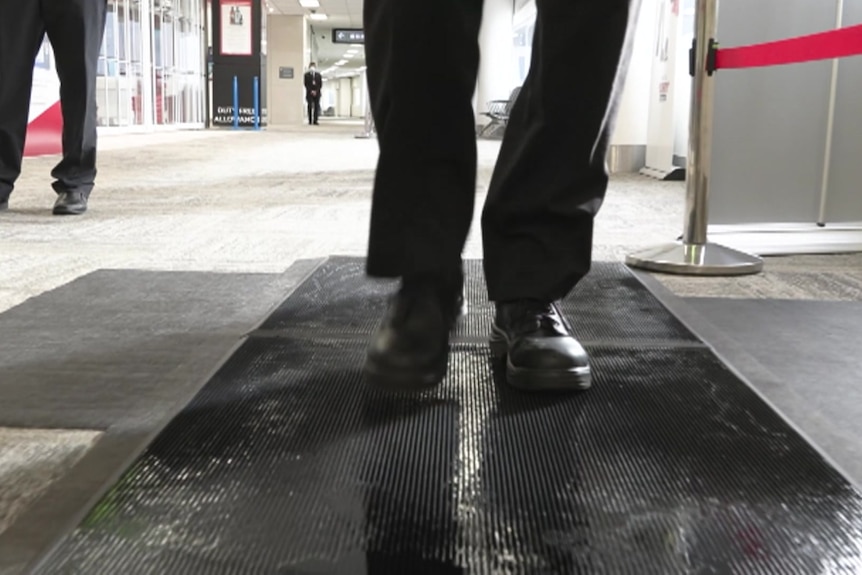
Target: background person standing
x,y
313,86
75,29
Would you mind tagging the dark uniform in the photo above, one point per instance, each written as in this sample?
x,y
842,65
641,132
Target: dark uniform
x,y
75,29
313,86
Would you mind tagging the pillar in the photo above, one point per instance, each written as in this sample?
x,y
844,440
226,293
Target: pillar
x,y
286,61
629,141
497,73
237,52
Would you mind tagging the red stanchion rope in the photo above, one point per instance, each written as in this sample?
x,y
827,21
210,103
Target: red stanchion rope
x,y
823,46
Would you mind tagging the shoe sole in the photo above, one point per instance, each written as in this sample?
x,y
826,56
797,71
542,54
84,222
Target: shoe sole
x,y
525,379
390,380
68,211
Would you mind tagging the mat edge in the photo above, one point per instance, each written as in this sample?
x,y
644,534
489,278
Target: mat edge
x,y
733,355
114,438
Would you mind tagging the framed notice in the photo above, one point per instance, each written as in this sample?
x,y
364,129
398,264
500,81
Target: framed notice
x,y
236,31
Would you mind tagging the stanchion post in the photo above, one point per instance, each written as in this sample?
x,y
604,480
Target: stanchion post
x,y
235,103
256,103
695,255
699,161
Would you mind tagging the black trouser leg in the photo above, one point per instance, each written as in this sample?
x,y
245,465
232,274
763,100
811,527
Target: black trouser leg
x,y
551,174
422,63
310,108
316,107
75,29
21,33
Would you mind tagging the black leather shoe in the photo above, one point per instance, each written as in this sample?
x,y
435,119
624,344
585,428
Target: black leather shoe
x,y
410,350
537,344
4,205
70,204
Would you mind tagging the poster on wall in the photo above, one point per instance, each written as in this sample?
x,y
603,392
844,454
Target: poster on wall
x,y
661,131
236,30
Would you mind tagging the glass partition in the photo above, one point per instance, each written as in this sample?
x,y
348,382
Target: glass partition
x,y
151,66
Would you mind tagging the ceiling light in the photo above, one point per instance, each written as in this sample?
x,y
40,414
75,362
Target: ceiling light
x,y
309,3
316,16
341,63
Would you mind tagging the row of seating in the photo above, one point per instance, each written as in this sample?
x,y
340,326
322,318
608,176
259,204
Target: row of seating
x,y
498,111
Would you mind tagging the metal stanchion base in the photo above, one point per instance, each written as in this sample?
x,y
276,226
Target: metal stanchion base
x,y
696,259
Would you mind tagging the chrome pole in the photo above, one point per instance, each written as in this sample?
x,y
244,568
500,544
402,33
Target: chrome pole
x,y
695,255
698,163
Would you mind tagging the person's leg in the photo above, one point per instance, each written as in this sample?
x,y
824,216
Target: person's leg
x,y
549,182
422,63
422,60
21,33
310,107
551,175
75,29
317,110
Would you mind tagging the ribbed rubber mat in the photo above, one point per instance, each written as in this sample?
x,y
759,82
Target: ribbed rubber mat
x,y
286,463
338,299
609,304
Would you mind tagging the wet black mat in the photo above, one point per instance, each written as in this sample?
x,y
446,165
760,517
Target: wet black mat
x,y
610,305
286,463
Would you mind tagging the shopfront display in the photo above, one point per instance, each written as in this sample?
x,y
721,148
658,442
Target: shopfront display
x,y
151,69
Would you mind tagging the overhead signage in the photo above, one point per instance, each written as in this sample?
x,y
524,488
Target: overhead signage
x,y
348,36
